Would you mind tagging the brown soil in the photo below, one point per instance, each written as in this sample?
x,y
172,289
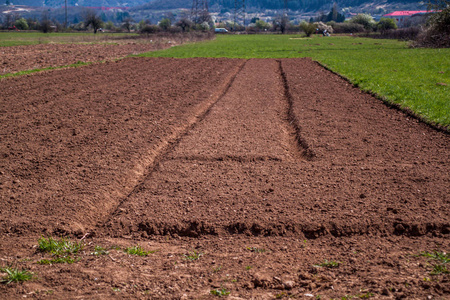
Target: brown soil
x,y
267,168
22,58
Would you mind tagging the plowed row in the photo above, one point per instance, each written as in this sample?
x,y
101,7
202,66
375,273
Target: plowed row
x,y
265,167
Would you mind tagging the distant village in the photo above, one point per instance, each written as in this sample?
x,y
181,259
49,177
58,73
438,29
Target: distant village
x,y
114,18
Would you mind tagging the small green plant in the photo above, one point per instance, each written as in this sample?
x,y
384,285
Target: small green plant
x,y
257,250
215,270
116,290
281,295
366,295
248,267
192,256
440,260
220,293
305,244
99,250
328,264
58,260
441,257
62,250
59,247
16,275
138,250
439,269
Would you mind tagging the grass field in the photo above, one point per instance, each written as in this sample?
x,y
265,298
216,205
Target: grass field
x,y
14,38
418,79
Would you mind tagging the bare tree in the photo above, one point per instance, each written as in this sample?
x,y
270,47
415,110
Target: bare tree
x,y
185,24
281,23
127,23
46,23
91,19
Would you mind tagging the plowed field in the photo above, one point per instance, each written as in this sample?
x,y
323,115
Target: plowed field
x,y
279,176
23,58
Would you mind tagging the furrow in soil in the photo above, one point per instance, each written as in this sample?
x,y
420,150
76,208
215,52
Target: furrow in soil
x,y
372,171
72,149
213,172
165,146
292,119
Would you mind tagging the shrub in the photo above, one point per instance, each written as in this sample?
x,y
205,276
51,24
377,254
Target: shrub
x,y
261,25
405,34
386,24
308,28
165,24
204,26
437,34
21,24
149,29
348,28
365,20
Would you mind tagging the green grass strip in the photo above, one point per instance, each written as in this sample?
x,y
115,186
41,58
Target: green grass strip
x,y
412,78
21,73
24,38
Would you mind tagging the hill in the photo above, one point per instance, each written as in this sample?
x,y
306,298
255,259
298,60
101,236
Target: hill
x,y
295,5
89,3
228,5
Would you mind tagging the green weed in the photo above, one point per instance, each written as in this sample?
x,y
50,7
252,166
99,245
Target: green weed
x,y
305,244
257,250
328,264
16,275
220,293
138,250
281,295
441,257
439,269
98,250
215,270
62,246
366,295
192,256
248,267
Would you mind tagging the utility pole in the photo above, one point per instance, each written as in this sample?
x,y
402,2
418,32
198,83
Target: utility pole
x,y
65,20
286,7
239,12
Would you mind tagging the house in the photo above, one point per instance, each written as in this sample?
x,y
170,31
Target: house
x,y
402,17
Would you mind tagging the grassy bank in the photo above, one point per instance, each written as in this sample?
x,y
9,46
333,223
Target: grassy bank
x,y
418,79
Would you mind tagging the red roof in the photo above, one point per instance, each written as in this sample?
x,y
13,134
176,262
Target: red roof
x,y
406,13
